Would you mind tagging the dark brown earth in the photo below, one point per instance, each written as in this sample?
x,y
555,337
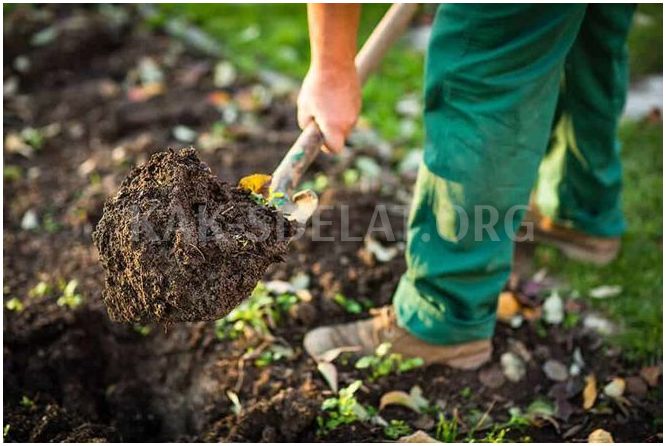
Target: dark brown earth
x,y
71,374
180,245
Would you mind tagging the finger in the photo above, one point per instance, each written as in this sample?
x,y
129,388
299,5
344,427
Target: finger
x,y
334,139
303,116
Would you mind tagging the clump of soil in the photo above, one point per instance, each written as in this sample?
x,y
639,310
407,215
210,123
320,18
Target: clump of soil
x,y
180,245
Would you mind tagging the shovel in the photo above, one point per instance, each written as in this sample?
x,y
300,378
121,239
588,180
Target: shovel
x,y
288,174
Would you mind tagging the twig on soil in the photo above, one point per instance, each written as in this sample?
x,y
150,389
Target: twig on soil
x,y
197,248
244,357
483,417
226,210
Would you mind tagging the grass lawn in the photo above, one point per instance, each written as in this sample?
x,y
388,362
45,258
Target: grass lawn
x,y
275,36
638,309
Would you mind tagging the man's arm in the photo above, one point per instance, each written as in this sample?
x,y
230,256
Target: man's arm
x,y
331,91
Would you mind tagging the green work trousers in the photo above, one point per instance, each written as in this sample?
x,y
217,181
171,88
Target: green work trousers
x,y
495,77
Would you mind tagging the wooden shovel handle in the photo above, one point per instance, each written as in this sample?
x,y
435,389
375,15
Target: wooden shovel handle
x,y
306,148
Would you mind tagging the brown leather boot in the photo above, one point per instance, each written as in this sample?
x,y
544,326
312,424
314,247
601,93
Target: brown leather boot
x,y
366,335
574,244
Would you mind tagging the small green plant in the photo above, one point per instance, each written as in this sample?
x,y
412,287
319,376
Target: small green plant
x,y
69,297
397,429
447,428
40,290
27,402
12,173
273,354
350,305
466,392
517,419
257,314
343,409
14,304
33,137
274,199
50,224
496,435
143,330
571,320
384,363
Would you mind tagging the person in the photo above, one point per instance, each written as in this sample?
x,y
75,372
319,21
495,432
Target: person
x,y
498,79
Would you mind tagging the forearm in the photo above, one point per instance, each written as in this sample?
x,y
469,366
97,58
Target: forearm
x,y
333,34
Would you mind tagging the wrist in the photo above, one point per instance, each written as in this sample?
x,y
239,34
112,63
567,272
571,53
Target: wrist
x,y
333,70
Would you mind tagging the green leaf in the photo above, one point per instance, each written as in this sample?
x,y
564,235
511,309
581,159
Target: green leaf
x,y
383,349
329,403
352,388
364,362
409,364
14,304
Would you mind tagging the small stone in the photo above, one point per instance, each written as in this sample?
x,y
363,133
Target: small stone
x,y
513,367
225,75
555,370
553,309
492,377
29,221
598,324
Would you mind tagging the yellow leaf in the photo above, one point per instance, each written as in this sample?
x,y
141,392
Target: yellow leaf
x,y
400,398
507,306
255,182
531,314
600,436
590,392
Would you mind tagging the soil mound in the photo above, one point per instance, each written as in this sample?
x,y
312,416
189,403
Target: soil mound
x,y
180,245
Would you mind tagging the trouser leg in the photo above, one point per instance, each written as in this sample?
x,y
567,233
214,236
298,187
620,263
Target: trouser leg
x,y
492,82
593,95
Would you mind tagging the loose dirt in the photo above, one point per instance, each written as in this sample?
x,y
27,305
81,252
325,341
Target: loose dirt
x,y
180,245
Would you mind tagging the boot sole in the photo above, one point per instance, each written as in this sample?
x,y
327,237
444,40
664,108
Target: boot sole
x,y
578,253
470,362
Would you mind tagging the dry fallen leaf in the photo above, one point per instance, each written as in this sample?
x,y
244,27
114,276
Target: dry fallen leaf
x,y
255,182
417,437
507,306
398,398
589,392
651,374
615,388
531,314
219,98
605,291
555,370
332,354
413,400
636,386
330,374
143,93
600,436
